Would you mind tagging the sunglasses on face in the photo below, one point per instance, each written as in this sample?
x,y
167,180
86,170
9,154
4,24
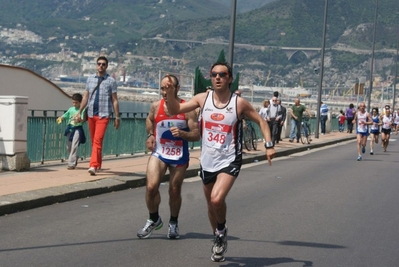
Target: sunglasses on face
x,y
101,64
221,74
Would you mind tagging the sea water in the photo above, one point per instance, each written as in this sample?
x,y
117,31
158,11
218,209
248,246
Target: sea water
x,y
134,106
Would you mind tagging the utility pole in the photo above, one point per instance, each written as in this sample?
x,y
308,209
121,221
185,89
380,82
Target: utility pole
x,y
396,75
232,31
372,58
316,131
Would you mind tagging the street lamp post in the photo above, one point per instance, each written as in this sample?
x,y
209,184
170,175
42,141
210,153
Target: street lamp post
x,y
396,75
316,132
372,57
232,31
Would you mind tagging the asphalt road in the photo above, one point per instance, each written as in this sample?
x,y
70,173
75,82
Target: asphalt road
x,y
316,208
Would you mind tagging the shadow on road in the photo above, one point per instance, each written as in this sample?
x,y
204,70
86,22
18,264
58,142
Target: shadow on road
x,y
259,262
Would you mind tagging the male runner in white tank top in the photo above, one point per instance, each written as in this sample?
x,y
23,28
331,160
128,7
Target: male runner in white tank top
x,y
362,119
221,155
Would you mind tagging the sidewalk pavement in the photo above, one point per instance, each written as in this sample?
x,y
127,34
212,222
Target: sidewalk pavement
x,y
52,183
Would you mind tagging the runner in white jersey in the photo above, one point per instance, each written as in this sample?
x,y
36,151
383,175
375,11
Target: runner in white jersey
x,y
168,137
374,129
362,119
221,145
396,120
387,124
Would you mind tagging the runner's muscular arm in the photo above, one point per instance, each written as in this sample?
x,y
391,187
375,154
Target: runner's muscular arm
x,y
191,135
175,107
149,126
354,118
173,104
248,111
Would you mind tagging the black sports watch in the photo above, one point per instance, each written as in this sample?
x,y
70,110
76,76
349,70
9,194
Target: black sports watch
x,y
269,145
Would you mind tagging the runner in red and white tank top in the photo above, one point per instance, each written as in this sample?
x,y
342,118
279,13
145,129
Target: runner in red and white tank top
x,y
170,149
168,137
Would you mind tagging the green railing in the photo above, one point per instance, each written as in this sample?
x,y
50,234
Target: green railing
x,y
46,140
312,122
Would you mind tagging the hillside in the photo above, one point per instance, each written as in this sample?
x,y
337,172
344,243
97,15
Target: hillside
x,y
119,27
299,23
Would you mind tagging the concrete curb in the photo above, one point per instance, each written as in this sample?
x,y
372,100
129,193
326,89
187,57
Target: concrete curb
x,y
43,197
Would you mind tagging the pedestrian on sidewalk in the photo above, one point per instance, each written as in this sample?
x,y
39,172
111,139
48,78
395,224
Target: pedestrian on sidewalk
x,y
168,137
221,154
273,118
362,119
74,132
264,110
350,114
323,117
282,120
100,98
341,121
374,129
296,119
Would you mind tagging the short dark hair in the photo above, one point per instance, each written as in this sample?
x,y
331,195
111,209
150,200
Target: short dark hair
x,y
227,65
102,58
77,97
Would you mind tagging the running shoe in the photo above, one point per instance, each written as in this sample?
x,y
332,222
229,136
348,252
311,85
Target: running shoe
x,y
359,158
149,227
371,152
363,149
173,231
219,246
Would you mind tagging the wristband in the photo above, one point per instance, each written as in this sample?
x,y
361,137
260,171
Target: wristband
x,y
269,145
118,118
149,135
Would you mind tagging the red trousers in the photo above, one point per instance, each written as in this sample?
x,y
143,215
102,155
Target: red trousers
x,y
97,128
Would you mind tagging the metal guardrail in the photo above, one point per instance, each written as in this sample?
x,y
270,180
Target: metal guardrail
x,y
46,140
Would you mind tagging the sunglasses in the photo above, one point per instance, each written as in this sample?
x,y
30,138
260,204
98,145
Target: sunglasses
x,y
221,74
101,64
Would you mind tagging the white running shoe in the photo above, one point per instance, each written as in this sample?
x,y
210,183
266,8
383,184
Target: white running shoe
x,y
173,231
149,227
